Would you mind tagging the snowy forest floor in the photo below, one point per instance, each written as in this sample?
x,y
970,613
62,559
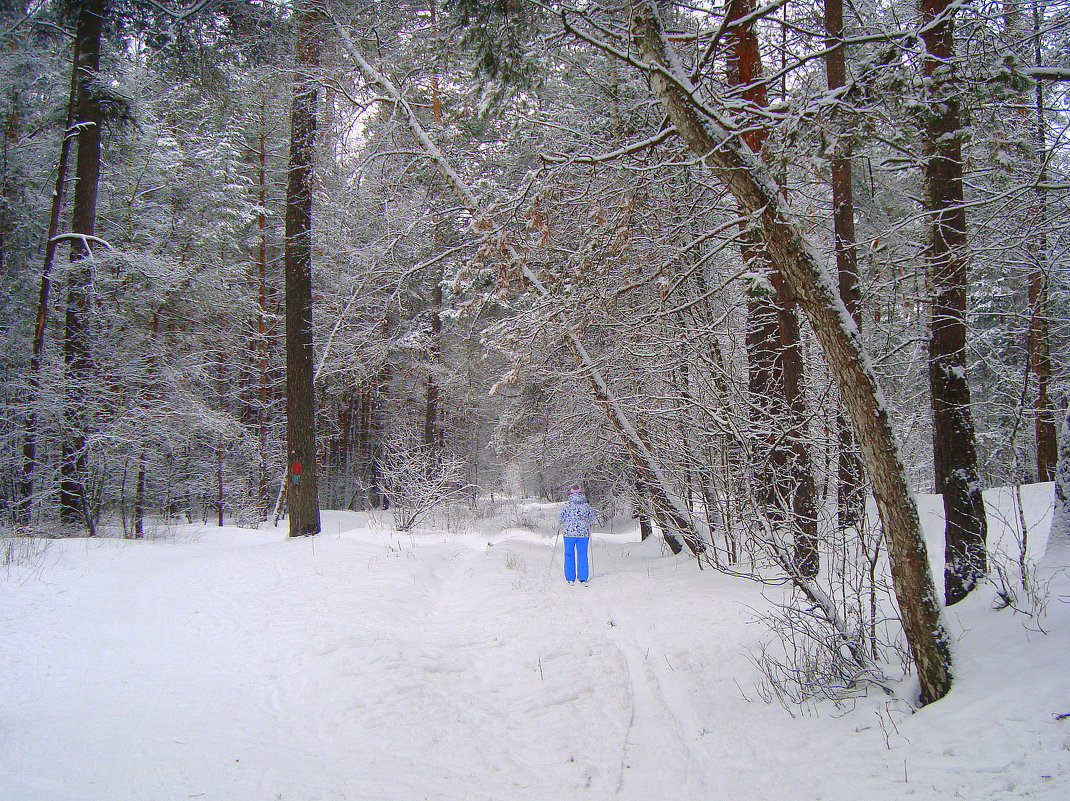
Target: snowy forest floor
x,y
238,665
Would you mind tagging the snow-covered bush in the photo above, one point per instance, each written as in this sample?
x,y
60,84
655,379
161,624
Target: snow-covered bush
x,y
418,479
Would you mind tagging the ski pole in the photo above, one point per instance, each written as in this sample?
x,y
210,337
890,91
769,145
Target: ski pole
x,y
553,551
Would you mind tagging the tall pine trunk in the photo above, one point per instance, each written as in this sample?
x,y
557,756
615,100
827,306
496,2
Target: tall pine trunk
x,y
263,385
59,194
1046,425
433,435
775,379
74,506
303,502
756,193
954,449
849,498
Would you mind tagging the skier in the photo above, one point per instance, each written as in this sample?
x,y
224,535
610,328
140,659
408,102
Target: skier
x,y
576,518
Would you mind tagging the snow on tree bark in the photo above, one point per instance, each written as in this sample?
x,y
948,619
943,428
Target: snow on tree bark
x,y
756,193
954,448
302,499
73,503
775,364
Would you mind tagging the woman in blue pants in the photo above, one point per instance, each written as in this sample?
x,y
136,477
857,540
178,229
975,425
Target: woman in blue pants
x,y
576,518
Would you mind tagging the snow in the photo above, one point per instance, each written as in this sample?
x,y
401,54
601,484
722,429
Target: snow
x,y
222,663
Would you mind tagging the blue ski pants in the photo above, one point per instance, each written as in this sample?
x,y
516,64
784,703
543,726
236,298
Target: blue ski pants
x,y
576,565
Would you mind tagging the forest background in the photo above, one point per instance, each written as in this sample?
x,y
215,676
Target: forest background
x,y
261,257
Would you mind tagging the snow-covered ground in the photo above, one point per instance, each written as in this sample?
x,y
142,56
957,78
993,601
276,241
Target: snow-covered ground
x,y
239,665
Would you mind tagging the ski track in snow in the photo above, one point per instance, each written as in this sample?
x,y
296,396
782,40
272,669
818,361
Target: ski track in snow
x,y
243,666
226,672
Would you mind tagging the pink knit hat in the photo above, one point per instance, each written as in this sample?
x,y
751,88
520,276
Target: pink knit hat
x,y
575,488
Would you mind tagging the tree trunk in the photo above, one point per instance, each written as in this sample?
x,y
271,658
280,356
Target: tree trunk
x,y
1040,364
263,498
303,502
785,483
139,501
74,506
755,191
1039,309
639,512
436,98
219,482
849,497
954,449
59,192
433,438
1057,554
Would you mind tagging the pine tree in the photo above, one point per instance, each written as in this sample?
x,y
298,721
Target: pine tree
x,y
954,449
74,503
302,498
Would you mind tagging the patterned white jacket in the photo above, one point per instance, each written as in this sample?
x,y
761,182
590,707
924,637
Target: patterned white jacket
x,y
577,515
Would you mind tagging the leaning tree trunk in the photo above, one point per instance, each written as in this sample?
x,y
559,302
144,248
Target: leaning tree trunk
x,y
73,503
954,449
756,193
850,477
785,482
302,499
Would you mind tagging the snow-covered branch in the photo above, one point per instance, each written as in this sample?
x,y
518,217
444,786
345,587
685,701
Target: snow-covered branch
x,y
1048,73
